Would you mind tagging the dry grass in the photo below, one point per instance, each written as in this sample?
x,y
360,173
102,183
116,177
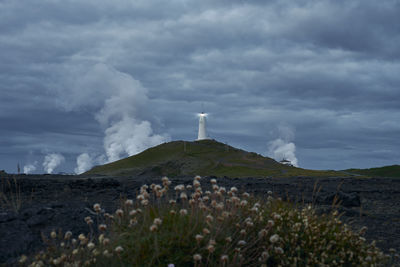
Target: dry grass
x,y
10,194
187,226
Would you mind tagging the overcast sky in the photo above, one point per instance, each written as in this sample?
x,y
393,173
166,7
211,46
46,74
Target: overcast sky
x,y
93,81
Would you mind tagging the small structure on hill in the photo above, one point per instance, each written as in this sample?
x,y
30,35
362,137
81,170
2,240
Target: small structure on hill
x,y
202,135
286,162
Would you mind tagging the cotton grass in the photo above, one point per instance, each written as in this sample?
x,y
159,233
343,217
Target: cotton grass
x,y
188,227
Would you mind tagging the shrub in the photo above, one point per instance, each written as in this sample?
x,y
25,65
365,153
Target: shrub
x,y
187,226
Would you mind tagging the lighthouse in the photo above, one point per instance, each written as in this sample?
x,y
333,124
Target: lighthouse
x,y
202,127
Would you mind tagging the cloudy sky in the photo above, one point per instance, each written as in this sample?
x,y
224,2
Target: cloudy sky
x,y
89,82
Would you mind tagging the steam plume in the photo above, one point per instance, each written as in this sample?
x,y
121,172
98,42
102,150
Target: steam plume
x,y
84,162
125,133
30,168
129,137
52,161
119,103
283,147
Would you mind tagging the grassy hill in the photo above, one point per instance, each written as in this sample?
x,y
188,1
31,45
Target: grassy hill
x,y
387,171
206,158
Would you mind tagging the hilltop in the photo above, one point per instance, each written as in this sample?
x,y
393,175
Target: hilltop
x,y
205,158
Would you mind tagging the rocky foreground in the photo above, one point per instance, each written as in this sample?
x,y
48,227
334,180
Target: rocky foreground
x,y
52,202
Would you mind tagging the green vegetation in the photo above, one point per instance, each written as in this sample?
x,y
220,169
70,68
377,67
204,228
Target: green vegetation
x,y
221,227
387,171
206,158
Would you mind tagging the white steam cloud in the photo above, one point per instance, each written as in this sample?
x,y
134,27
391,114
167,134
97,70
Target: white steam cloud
x,y
126,134
30,168
120,105
52,161
129,137
84,162
283,147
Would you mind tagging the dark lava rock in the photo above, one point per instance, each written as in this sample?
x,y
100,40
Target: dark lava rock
x,y
22,233
38,216
16,237
344,199
54,202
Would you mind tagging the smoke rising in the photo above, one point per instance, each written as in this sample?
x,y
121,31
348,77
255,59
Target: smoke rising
x,y
52,161
30,168
118,102
283,147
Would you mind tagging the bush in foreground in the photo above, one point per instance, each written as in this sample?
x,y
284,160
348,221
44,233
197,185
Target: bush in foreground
x,y
220,227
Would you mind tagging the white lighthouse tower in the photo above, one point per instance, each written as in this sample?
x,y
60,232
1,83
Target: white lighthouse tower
x,y
202,127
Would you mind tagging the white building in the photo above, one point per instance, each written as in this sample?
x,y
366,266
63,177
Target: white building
x,y
286,162
202,127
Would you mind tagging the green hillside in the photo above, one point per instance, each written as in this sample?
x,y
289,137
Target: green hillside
x,y
205,158
387,171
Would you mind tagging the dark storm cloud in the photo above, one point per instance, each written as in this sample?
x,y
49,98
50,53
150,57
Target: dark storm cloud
x,y
328,69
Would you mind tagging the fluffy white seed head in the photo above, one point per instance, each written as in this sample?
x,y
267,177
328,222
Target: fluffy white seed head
x,y
53,234
157,221
183,212
102,227
262,233
81,237
179,187
278,250
119,249
119,212
197,257
106,241
274,238
210,248
184,196
132,212
68,235
196,183
90,245
242,243
206,231
97,207
129,202
199,238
